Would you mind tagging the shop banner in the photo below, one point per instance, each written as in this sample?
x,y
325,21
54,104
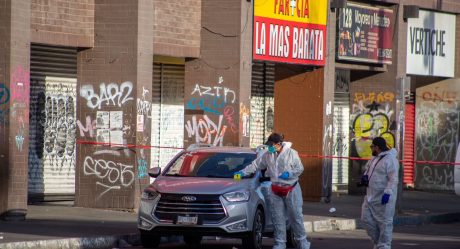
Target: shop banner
x,y
365,33
291,31
431,44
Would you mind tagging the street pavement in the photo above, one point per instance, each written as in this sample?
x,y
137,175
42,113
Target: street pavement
x,y
428,236
60,225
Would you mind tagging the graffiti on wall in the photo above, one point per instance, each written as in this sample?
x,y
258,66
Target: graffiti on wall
x,y
111,169
327,150
88,129
110,175
19,109
108,95
437,129
369,121
206,131
4,94
261,119
142,165
59,134
218,103
4,108
245,122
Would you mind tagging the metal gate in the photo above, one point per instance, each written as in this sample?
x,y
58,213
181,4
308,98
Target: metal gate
x,y
409,145
167,109
53,81
262,102
341,136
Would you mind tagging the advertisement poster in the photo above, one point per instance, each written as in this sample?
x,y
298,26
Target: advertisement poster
x,y
365,34
116,119
431,44
102,120
290,31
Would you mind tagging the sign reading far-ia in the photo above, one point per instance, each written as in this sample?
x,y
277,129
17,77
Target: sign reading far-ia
x,y
291,31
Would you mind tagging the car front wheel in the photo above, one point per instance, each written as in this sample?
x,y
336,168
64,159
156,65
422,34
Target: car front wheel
x,y
149,240
254,238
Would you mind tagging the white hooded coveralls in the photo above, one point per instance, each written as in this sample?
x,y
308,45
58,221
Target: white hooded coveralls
x,y
282,207
377,218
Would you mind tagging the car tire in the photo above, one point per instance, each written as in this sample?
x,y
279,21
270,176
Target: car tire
x,y
291,242
149,240
193,241
254,238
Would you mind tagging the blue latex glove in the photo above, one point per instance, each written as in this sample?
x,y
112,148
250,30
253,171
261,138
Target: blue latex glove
x,y
284,175
385,198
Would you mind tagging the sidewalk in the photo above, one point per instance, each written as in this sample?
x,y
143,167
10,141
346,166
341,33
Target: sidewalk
x,y
64,226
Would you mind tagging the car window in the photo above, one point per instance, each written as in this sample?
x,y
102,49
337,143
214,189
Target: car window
x,y
209,164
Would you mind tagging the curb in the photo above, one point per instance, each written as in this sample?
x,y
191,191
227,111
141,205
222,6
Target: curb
x,y
353,224
120,241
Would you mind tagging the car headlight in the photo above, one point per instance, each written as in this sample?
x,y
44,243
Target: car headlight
x,y
237,196
149,195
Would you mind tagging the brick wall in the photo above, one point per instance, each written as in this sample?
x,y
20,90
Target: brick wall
x,y
218,68
177,27
5,29
299,116
63,22
15,87
116,69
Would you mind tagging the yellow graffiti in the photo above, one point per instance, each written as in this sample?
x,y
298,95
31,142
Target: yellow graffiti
x,y
380,97
366,127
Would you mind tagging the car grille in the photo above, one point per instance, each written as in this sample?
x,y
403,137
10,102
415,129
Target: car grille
x,y
208,208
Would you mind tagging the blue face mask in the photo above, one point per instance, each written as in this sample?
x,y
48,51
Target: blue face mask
x,y
271,149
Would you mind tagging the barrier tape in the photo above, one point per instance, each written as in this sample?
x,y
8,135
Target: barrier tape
x,y
300,155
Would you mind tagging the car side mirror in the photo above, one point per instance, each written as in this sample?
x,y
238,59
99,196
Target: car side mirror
x,y
154,172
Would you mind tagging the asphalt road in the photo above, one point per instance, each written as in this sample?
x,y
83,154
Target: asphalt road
x,y
434,236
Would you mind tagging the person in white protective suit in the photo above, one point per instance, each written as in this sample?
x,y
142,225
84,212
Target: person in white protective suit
x,y
381,180
283,166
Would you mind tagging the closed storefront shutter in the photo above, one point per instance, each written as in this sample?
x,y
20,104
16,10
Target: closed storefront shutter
x,y
409,145
262,102
53,81
167,111
341,140
341,137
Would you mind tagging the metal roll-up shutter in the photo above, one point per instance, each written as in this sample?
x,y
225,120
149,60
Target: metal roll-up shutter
x,y
262,102
409,145
167,111
52,137
341,124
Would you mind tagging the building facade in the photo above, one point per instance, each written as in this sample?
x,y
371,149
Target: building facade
x,y
93,93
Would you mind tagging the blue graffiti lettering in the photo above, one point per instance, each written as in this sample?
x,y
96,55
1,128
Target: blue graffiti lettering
x,y
4,94
141,168
207,104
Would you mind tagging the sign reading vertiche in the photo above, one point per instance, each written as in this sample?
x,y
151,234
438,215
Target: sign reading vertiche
x,y
431,44
365,33
292,31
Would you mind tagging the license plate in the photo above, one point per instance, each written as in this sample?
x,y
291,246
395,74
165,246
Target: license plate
x,y
187,220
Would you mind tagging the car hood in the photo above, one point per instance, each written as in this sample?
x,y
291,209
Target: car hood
x,y
199,185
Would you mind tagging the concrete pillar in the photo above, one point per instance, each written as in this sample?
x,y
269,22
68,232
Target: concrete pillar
x,y
114,83
14,107
218,85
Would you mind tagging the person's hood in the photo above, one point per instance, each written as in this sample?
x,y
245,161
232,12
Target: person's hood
x,y
198,185
391,152
287,145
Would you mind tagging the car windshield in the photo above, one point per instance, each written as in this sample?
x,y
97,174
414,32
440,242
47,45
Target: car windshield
x,y
209,164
